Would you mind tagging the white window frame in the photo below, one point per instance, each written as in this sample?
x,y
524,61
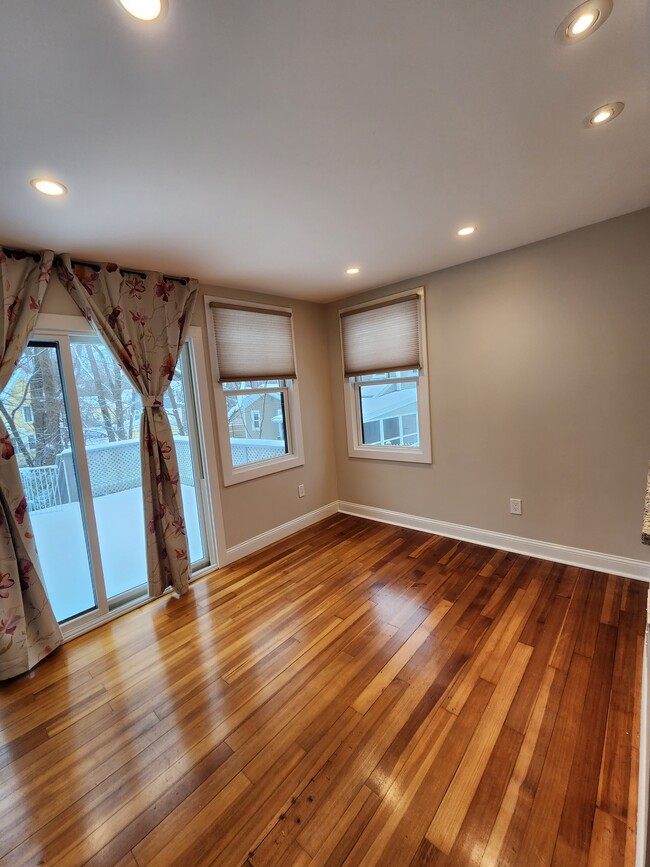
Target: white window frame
x,y
27,408
295,457
353,421
256,420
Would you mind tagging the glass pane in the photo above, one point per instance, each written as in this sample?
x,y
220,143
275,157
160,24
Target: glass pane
x,y
395,405
34,410
179,403
391,431
257,425
372,433
395,374
110,414
410,428
255,385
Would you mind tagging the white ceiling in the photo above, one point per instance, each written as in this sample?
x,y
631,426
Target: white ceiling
x,y
269,144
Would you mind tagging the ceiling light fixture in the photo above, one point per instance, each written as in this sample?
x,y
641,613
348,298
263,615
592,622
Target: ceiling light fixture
x,y
604,114
584,20
467,230
48,187
353,270
144,10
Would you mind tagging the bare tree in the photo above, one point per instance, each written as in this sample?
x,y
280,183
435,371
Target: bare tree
x,y
47,407
100,387
175,412
110,406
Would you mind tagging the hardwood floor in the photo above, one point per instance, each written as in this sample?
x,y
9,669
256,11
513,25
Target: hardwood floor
x,y
356,694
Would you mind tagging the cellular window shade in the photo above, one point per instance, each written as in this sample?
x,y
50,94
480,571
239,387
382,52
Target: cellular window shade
x,y
382,338
252,344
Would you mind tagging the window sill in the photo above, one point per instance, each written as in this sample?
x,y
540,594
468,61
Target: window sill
x,y
255,471
384,453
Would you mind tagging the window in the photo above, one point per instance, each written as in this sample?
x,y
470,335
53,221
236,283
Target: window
x,y
79,460
389,408
257,434
256,389
28,415
385,375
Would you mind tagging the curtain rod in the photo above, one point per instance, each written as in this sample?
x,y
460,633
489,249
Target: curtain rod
x,y
16,253
141,274
97,267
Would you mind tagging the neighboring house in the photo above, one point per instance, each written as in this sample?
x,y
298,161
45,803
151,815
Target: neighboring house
x,y
17,405
390,417
255,416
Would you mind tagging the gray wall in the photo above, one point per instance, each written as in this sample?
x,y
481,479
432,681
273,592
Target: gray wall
x,y
540,389
540,384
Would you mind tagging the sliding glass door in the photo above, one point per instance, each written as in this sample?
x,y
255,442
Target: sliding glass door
x,y
35,411
110,410
75,420
181,405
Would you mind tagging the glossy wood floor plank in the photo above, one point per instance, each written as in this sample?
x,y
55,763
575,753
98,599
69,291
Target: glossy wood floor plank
x,y
355,694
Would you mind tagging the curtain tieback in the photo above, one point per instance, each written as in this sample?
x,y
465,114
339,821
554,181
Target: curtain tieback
x,y
151,402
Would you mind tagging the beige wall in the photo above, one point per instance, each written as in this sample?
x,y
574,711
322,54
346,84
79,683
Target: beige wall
x,y
540,389
58,301
252,507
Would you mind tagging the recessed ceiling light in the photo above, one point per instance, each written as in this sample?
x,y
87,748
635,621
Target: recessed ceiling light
x,y
604,114
145,10
467,230
584,20
353,270
48,187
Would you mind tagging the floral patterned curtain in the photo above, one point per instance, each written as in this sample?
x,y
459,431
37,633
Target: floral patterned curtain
x,y
28,627
144,320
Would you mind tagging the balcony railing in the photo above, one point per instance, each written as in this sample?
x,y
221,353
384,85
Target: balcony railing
x,y
113,467
41,486
249,451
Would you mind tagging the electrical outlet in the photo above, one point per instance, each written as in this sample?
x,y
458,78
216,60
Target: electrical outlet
x,y
301,490
515,507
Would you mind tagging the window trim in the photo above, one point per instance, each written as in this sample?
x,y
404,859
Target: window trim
x,y
353,421
232,475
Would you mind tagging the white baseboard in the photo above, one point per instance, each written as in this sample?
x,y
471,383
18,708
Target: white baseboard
x,y
609,563
277,533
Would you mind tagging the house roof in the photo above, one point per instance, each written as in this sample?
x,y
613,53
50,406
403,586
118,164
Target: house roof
x,y
244,402
393,403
